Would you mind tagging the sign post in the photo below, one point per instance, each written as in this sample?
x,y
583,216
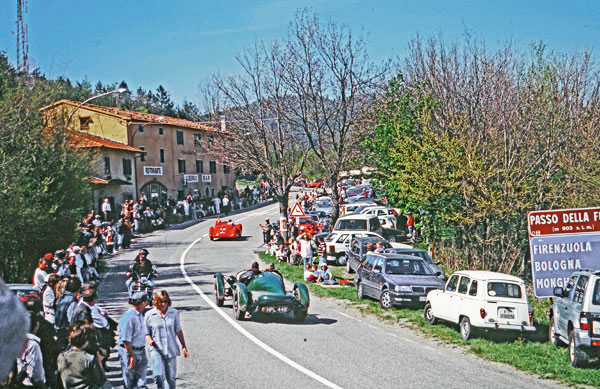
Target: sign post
x,y
561,242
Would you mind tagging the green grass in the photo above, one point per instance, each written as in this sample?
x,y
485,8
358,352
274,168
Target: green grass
x,y
533,353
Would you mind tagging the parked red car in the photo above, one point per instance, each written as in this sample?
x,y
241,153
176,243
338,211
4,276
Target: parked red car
x,y
316,183
225,230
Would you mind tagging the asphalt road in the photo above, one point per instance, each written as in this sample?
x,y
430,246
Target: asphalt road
x,y
336,346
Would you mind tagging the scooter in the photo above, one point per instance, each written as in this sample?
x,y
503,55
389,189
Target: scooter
x,y
143,283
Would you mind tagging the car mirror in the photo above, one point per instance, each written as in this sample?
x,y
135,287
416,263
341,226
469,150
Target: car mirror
x,y
438,273
558,292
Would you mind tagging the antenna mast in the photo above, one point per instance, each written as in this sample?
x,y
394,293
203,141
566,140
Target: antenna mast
x,y
22,36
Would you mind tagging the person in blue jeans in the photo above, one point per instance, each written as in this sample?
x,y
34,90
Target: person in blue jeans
x,y
325,275
164,328
132,341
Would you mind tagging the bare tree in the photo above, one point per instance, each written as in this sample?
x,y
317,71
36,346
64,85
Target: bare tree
x,y
332,84
254,106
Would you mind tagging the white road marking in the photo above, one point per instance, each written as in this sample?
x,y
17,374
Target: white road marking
x,y
244,332
345,314
394,335
204,236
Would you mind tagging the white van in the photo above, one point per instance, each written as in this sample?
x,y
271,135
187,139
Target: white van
x,y
358,222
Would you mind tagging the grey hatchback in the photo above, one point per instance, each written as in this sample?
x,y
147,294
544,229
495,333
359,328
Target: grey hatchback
x,y
421,254
395,279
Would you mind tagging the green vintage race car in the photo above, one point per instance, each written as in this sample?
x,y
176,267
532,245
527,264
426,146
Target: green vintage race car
x,y
265,294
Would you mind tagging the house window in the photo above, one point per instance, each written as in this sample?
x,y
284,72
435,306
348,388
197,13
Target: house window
x,y
207,192
84,123
179,137
226,169
142,155
161,153
197,139
127,166
106,165
199,166
181,166
211,139
213,167
161,131
141,128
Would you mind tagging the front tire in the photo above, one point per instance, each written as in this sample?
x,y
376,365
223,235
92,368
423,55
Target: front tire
x,y
348,268
466,330
218,299
385,300
300,314
342,260
428,314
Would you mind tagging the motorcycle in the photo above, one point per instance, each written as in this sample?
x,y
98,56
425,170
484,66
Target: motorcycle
x,y
143,283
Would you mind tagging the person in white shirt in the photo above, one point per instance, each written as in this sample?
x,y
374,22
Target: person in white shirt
x,y
49,298
106,210
226,204
41,275
217,202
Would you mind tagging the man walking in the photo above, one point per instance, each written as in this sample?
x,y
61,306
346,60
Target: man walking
x,y
132,339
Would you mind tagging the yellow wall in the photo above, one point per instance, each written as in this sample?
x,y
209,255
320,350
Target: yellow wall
x,y
102,124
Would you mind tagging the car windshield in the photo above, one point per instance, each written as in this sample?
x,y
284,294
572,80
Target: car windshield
x,y
305,220
414,267
504,289
352,224
323,202
267,282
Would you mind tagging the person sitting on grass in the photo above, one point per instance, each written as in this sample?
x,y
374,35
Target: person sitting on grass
x,y
311,273
325,276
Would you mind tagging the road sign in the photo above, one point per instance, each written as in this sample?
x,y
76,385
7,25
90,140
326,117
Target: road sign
x,y
561,242
563,221
297,211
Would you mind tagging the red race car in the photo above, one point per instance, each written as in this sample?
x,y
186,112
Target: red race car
x,y
225,230
316,183
308,225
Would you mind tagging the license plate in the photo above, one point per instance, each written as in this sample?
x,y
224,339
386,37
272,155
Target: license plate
x,y
422,298
275,309
505,313
596,327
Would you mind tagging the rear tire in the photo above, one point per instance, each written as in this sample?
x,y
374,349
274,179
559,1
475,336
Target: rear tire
x,y
466,330
428,314
576,356
552,335
360,293
342,260
238,314
300,314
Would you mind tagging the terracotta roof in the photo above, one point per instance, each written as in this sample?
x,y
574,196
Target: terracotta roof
x,y
83,141
140,116
101,181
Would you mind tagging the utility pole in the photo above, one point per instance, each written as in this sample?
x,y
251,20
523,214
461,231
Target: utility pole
x,y
22,36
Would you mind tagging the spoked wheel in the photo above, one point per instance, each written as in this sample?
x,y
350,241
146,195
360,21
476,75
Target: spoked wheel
x,y
237,312
385,300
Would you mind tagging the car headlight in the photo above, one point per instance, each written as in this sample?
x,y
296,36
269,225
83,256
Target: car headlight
x,y
403,288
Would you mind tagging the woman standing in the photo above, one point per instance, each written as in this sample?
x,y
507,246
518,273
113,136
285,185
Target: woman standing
x,y
164,327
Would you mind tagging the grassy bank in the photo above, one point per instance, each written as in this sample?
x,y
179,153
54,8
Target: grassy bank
x,y
533,353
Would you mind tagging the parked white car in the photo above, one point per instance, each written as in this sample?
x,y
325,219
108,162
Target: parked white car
x,y
338,243
386,216
481,300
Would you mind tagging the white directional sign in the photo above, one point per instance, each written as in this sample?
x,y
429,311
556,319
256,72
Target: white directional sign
x,y
206,178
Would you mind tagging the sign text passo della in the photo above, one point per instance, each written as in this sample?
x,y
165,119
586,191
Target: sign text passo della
x,y
561,242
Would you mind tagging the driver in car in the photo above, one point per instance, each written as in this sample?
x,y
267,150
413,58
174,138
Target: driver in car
x,y
142,267
249,274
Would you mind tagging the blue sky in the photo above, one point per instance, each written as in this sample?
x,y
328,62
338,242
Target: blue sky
x,y
178,44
